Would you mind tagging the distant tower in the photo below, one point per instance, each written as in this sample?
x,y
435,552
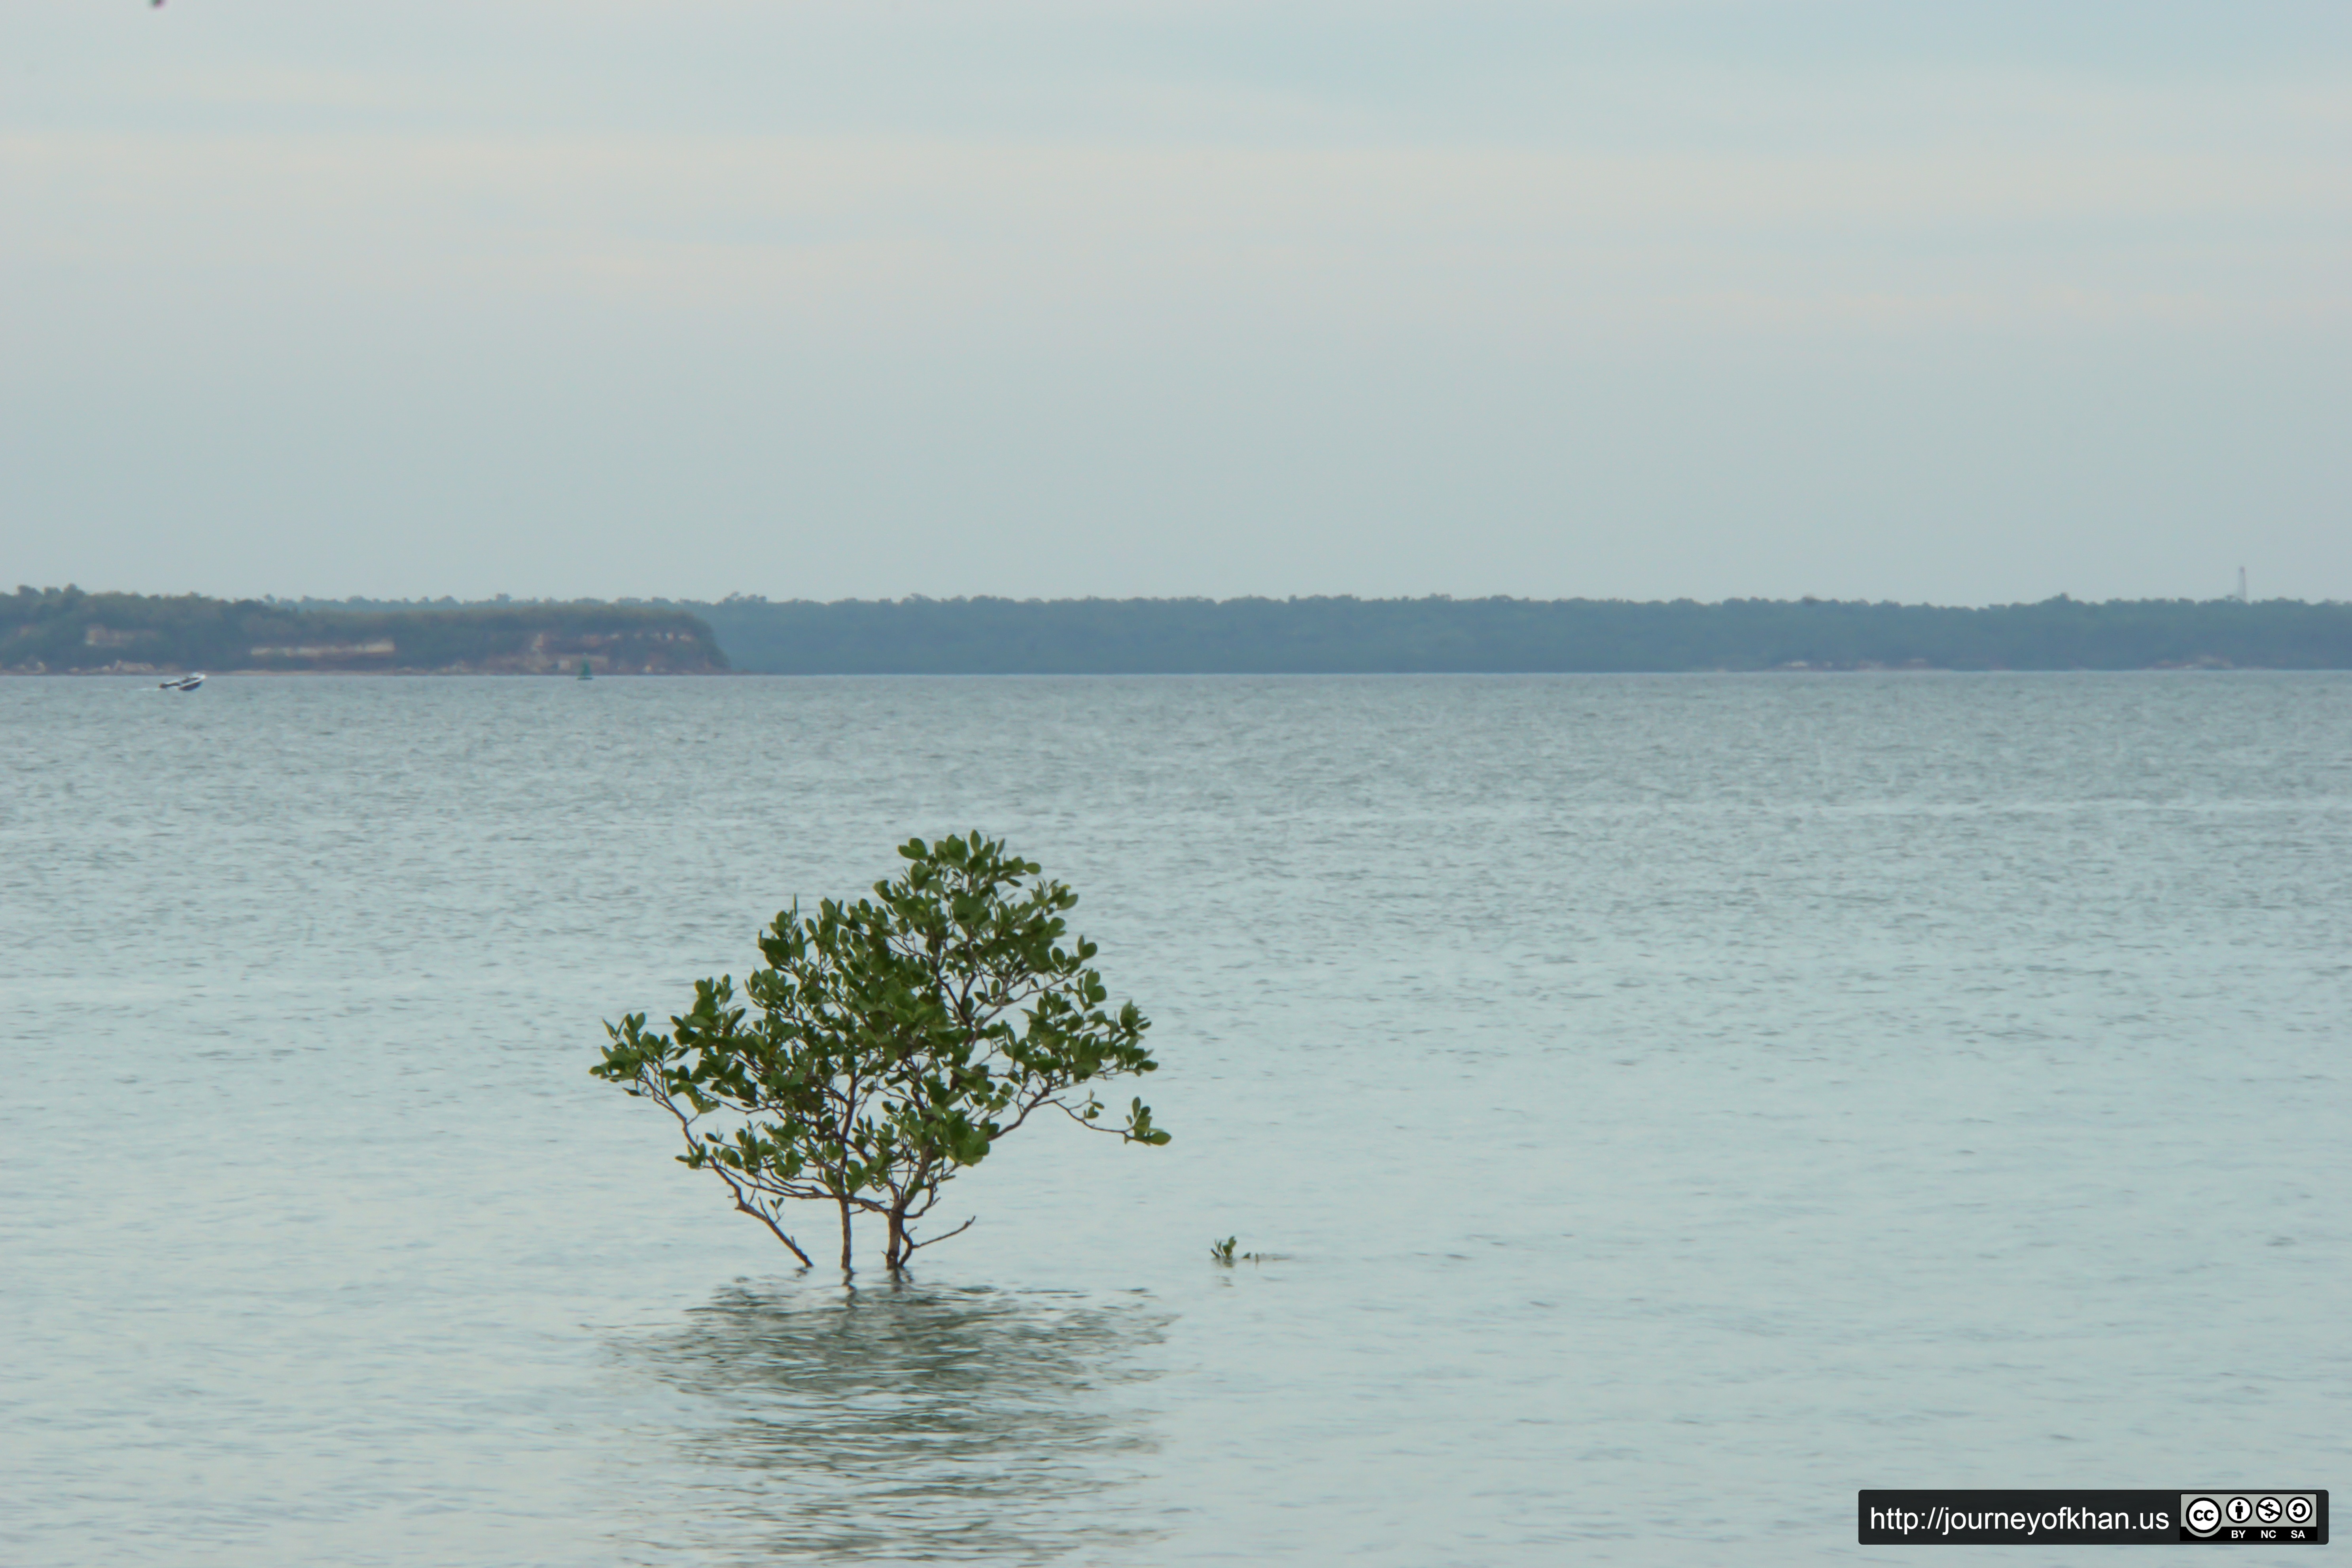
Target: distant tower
x,y
2242,585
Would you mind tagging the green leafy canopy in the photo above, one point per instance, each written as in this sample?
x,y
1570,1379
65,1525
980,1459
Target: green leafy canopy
x,y
889,1044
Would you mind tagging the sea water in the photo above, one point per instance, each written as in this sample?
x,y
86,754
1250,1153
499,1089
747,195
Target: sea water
x,y
1672,1104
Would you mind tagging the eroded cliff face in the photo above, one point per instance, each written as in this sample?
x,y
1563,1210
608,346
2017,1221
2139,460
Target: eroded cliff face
x,y
646,652
67,631
547,652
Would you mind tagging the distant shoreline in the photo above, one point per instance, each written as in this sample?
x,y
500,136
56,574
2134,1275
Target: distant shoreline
x,y
68,632
559,675
1515,636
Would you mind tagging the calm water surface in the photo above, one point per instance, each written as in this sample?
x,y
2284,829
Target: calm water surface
x,y
1677,1101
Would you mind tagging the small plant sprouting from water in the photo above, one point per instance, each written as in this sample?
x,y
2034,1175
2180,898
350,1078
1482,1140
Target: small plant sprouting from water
x,y
1223,1252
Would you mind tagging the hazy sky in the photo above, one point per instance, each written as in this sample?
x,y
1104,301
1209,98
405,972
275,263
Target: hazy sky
x,y
1961,302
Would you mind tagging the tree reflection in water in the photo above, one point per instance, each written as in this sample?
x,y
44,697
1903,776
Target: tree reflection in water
x,y
906,1423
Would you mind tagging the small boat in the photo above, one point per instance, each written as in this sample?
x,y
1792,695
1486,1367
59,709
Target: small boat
x,y
182,683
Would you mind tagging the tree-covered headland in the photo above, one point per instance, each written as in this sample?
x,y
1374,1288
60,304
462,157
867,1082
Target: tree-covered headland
x,y
59,630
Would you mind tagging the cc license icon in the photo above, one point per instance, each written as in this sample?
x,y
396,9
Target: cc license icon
x,y
2202,1516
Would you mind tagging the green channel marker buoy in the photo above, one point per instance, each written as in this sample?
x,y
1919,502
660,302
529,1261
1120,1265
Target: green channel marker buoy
x,y
583,671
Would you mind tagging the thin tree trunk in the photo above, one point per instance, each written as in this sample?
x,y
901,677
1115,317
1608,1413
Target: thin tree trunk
x,y
896,1255
844,1236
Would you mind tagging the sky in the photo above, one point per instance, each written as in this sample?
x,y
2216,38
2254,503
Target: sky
x,y
825,299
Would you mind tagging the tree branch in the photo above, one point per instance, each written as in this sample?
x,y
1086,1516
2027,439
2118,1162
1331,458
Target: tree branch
x,y
686,1126
914,1247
